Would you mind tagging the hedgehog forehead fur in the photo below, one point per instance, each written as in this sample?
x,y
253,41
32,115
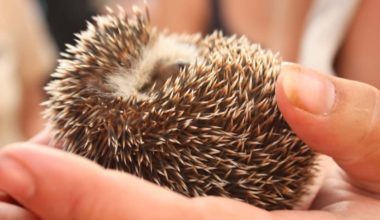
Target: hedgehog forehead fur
x,y
195,115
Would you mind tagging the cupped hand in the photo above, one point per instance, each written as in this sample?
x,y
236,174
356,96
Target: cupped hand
x,y
335,117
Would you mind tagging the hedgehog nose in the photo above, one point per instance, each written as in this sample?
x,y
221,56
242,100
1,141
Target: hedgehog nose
x,y
162,73
173,68
180,65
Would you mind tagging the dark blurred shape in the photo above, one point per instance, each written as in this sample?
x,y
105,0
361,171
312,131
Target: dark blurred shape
x,y
66,17
217,21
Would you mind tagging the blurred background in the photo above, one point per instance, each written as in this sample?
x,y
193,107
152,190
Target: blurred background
x,y
322,34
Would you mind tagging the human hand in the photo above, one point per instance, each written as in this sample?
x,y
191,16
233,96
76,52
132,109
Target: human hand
x,y
336,117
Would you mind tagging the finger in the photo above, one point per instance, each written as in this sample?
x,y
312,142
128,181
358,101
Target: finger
x,y
12,212
334,116
45,137
220,208
58,185
303,215
5,198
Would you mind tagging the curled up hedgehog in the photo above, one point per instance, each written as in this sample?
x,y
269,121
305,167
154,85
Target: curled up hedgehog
x,y
195,115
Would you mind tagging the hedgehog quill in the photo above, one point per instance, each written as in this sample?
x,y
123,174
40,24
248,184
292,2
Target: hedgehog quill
x,y
195,115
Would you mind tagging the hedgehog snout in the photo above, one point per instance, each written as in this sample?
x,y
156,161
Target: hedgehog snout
x,y
161,59
161,73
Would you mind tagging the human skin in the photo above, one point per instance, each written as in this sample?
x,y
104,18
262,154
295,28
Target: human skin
x,y
334,116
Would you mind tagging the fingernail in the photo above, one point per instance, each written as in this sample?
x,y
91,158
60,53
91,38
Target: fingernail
x,y
15,179
44,137
307,90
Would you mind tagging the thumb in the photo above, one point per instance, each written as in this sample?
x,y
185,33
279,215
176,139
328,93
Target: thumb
x,y
334,116
57,185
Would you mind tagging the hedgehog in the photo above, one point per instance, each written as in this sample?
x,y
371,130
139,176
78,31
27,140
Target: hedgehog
x,y
196,115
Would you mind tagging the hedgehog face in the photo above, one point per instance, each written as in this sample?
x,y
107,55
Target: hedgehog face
x,y
209,126
125,57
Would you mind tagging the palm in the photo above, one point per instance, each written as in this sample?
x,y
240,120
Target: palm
x,y
338,196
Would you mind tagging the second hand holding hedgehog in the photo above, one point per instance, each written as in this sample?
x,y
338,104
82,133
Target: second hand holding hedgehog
x,y
50,184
